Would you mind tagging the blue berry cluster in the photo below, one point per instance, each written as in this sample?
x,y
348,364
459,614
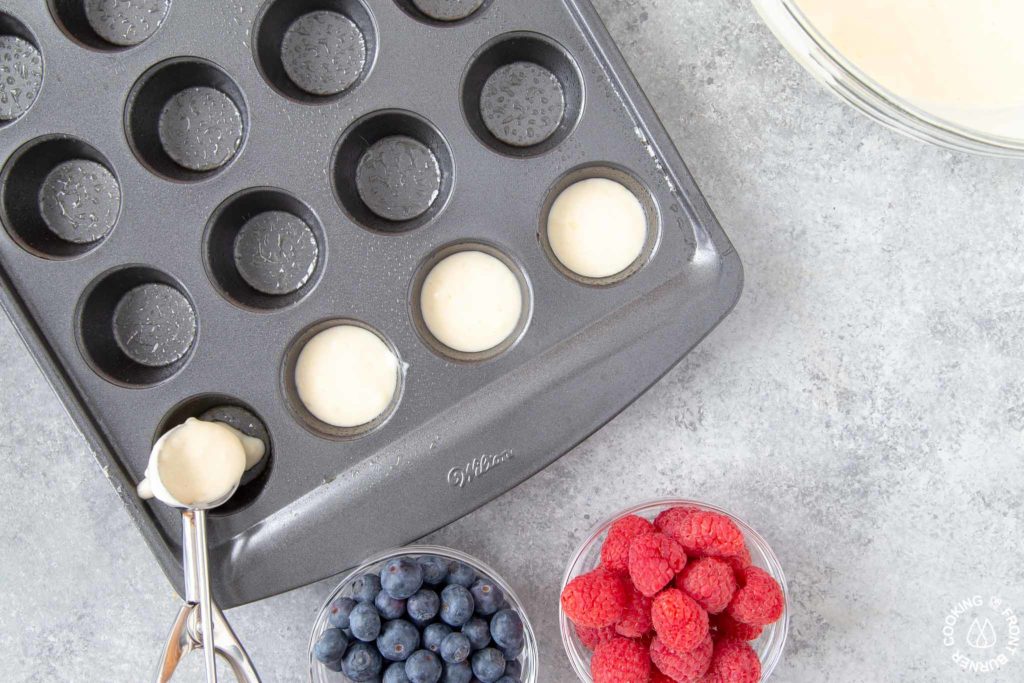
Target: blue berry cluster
x,y
424,620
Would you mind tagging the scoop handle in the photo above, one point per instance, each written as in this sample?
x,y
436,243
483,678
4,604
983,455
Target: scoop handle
x,y
196,561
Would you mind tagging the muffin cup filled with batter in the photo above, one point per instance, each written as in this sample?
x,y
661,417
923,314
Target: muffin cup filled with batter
x,y
342,379
59,197
599,225
186,119
471,302
315,51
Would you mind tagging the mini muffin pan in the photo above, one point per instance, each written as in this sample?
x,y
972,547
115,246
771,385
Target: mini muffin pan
x,y
190,190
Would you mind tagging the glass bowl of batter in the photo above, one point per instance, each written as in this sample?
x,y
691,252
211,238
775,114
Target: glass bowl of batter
x,y
951,73
769,646
529,659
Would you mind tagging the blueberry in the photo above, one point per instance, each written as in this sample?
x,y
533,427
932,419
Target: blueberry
x,y
396,674
424,606
364,622
457,673
512,653
456,605
488,665
478,632
507,679
460,574
423,667
488,597
514,669
507,631
456,648
334,665
362,663
331,646
389,607
435,569
433,635
401,577
365,588
398,639
337,613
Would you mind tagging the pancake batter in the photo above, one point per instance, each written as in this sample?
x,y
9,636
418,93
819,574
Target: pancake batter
x,y
347,376
471,301
597,228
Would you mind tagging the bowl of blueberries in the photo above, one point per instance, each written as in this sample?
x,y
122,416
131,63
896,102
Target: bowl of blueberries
x,y
423,614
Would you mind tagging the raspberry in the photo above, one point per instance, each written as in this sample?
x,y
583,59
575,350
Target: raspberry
x,y
710,582
653,560
672,516
592,637
739,562
679,621
636,621
596,600
682,668
733,661
703,533
620,660
615,551
727,627
658,677
759,601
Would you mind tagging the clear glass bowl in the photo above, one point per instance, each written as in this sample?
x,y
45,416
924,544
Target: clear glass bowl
x,y
321,674
826,64
587,557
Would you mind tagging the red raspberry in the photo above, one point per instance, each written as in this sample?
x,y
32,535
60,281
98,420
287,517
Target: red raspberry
x,y
679,621
592,637
682,668
739,562
653,560
615,551
733,661
597,599
658,677
620,660
636,621
710,582
727,627
672,516
759,601
703,533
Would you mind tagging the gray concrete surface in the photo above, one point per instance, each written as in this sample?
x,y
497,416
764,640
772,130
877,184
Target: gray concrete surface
x,y
863,407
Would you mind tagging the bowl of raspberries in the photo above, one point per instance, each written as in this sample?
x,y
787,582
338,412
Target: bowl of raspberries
x,y
674,591
423,614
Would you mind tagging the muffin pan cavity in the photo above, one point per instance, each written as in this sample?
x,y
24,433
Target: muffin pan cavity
x,y
241,416
393,171
632,183
443,12
110,24
186,119
136,326
275,168
21,69
264,249
315,51
522,95
59,197
299,410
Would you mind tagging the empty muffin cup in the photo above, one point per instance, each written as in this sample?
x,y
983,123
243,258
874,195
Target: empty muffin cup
x,y
315,51
443,12
263,249
522,94
240,416
110,24
393,171
136,326
59,197
186,119
21,69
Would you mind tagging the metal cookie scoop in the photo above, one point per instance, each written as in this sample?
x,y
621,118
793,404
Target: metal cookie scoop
x,y
200,624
